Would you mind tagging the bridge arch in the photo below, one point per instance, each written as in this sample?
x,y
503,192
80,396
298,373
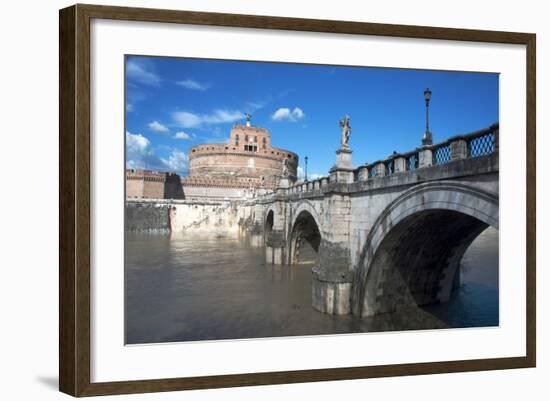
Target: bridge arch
x,y
306,206
272,219
305,235
412,253
269,222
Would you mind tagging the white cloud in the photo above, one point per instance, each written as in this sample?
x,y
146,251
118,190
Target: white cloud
x,y
182,135
138,72
131,164
137,151
136,144
193,85
177,161
298,113
157,127
310,176
190,120
186,119
129,107
284,113
140,155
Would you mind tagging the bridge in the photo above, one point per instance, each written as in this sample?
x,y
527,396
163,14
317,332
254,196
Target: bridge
x,y
384,235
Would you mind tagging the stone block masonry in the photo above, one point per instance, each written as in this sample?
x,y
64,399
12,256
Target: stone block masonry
x,y
160,215
147,216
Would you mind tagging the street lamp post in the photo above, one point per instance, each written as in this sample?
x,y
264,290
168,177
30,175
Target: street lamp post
x,y
427,137
306,170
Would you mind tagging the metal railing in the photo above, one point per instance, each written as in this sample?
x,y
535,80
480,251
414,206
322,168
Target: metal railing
x,y
390,164
481,145
442,154
412,161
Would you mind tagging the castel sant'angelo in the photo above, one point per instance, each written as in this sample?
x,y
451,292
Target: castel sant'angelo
x,y
245,165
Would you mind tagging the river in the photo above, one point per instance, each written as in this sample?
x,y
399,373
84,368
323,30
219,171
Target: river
x,y
207,287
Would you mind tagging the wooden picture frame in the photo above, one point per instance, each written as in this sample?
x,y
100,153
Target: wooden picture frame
x,y
75,207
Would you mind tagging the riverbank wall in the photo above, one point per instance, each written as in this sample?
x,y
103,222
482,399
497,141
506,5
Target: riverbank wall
x,y
177,216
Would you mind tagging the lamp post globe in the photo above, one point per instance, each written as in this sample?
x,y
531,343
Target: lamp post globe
x,y
427,95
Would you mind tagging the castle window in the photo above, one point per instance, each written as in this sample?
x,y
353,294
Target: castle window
x,y
255,139
246,138
263,140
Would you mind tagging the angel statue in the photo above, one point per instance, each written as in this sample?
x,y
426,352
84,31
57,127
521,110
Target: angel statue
x,y
285,167
248,117
346,131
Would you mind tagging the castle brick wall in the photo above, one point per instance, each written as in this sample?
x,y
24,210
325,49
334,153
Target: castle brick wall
x,y
248,153
196,193
146,184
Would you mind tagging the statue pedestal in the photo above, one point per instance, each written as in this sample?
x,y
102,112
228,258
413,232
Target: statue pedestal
x,y
342,171
283,183
343,158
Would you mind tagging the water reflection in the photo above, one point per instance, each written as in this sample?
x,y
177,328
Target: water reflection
x,y
193,287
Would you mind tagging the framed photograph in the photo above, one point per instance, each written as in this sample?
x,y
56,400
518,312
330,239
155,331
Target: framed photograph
x,y
250,200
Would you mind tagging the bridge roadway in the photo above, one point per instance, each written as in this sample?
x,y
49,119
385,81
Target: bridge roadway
x,y
386,235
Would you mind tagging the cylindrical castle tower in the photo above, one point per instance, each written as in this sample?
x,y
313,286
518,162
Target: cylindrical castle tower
x,y
248,158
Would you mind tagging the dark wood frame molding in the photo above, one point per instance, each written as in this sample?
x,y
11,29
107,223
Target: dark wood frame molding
x,y
74,199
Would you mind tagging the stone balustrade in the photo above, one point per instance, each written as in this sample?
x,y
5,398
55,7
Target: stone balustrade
x,y
475,144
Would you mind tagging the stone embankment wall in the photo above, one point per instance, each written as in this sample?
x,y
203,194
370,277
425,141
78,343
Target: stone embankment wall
x,y
177,216
204,217
147,216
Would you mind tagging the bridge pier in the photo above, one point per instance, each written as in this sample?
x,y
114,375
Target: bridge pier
x,y
257,229
275,234
331,291
275,245
332,279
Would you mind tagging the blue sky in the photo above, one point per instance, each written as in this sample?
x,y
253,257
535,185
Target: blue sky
x,y
173,104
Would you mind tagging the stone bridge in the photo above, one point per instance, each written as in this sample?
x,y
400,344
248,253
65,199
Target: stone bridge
x,y
385,235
